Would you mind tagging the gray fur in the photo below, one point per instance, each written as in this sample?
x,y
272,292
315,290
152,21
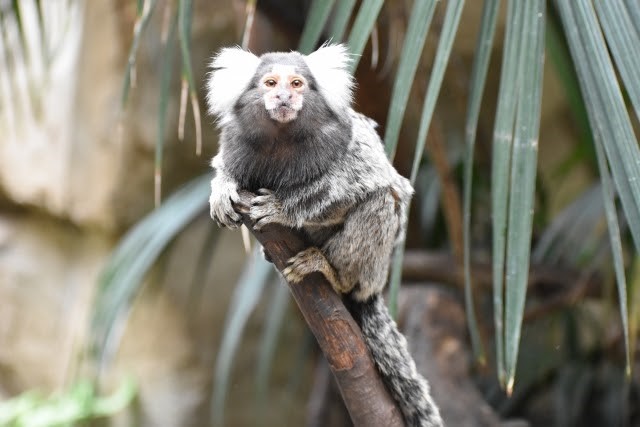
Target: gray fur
x,y
326,174
389,349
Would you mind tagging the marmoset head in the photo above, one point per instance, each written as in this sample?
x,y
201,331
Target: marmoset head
x,y
280,84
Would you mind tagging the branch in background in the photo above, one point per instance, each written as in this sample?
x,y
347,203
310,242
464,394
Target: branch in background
x,y
338,335
441,267
433,320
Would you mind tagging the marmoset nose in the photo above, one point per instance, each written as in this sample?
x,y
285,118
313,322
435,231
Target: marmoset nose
x,y
284,95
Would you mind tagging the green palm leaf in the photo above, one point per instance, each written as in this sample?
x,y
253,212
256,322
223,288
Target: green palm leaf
x,y
478,80
316,20
513,175
362,27
245,298
122,276
523,179
502,143
419,23
610,123
144,15
341,16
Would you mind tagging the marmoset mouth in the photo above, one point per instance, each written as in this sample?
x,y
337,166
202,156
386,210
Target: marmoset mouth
x,y
283,114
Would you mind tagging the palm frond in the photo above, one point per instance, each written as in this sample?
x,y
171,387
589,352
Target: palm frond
x,y
421,16
523,179
610,123
166,70
341,16
624,42
449,29
362,27
245,298
123,274
185,12
478,81
419,23
502,147
144,15
268,344
318,15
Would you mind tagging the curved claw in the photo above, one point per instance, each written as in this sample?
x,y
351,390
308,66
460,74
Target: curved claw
x,y
228,221
262,200
234,220
242,208
266,209
257,201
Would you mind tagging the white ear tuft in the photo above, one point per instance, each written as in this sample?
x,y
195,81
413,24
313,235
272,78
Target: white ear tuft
x,y
329,66
233,69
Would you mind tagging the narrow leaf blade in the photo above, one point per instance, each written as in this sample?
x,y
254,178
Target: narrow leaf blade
x,y
341,16
449,29
501,166
611,127
608,111
421,15
478,81
624,43
314,25
122,276
244,300
608,196
523,180
362,27
269,342
141,24
166,73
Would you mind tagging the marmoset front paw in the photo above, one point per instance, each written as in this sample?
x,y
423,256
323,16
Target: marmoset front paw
x,y
266,209
223,195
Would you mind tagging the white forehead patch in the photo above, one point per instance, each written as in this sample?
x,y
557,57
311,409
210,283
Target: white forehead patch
x,y
285,70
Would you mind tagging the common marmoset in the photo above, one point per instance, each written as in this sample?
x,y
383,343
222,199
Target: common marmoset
x,y
290,136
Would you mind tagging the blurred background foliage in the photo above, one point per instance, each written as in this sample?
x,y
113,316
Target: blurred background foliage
x,y
516,122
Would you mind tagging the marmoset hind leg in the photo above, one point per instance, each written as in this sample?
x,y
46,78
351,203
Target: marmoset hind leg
x,y
357,257
309,261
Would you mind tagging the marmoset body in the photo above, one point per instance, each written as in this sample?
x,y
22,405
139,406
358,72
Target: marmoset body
x,y
290,136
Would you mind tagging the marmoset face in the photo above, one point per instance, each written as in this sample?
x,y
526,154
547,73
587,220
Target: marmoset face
x,y
277,86
283,92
